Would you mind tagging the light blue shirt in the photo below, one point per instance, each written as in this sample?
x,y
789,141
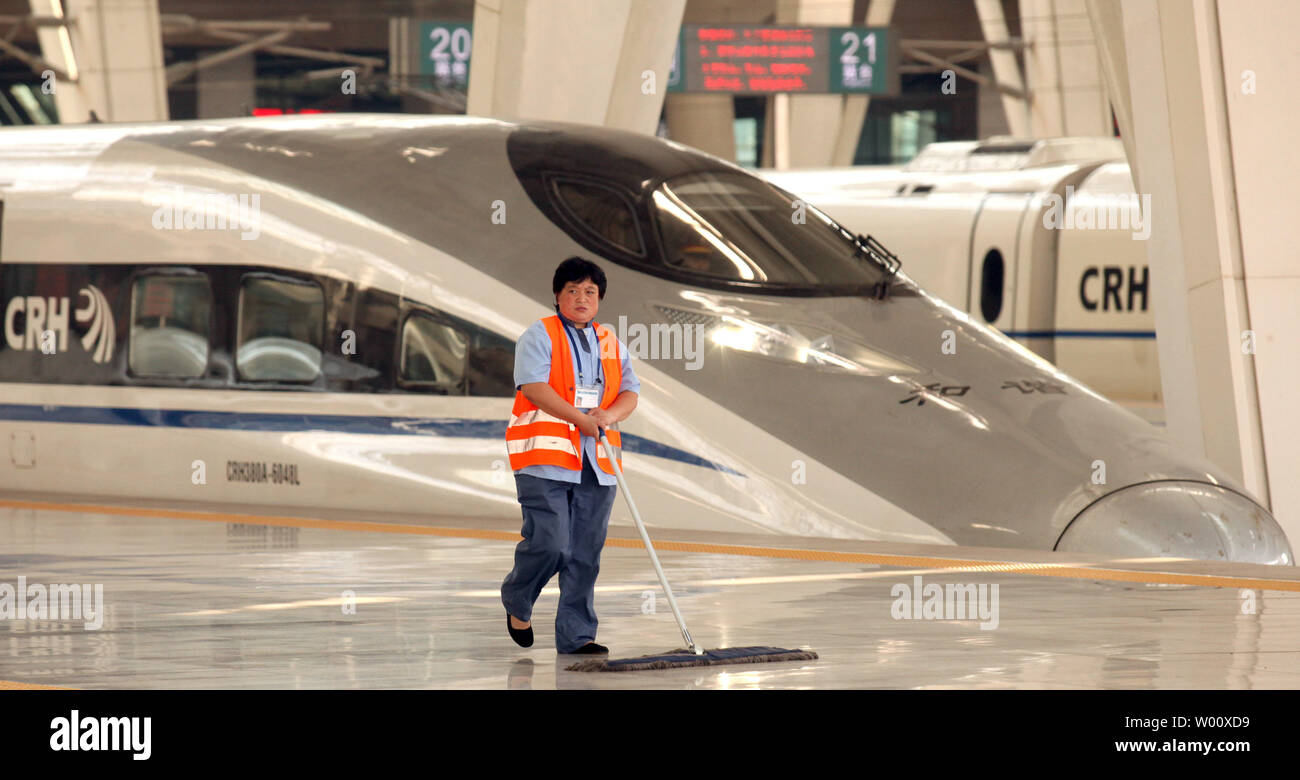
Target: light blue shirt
x,y
533,364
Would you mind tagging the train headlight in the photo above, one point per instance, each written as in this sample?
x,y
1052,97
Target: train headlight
x,y
803,344
745,339
1178,519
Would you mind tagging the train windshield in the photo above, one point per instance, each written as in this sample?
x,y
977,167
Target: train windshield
x,y
734,228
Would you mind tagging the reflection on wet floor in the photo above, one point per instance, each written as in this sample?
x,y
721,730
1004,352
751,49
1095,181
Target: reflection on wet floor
x,y
194,604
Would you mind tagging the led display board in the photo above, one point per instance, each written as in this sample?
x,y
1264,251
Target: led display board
x,y
760,60
720,58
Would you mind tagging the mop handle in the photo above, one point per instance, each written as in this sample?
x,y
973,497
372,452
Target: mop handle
x,y
645,537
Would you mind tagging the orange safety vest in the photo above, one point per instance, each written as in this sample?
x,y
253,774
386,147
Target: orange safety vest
x,y
535,438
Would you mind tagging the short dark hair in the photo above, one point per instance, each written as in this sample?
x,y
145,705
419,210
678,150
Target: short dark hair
x,y
576,269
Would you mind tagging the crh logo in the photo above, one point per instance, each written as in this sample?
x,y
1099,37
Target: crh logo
x,y
1111,280
45,325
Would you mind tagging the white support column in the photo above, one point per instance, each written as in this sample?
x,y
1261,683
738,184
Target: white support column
x,y
1062,70
779,105
1108,32
810,134
1259,38
600,63
1006,70
56,49
705,122
1206,112
650,37
118,46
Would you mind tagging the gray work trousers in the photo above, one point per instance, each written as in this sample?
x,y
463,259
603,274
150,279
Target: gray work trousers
x,y
564,531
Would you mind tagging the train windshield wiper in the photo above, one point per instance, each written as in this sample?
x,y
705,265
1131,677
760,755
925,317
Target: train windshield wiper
x,y
871,250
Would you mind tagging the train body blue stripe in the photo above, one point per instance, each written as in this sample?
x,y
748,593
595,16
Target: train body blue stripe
x,y
269,422
1080,334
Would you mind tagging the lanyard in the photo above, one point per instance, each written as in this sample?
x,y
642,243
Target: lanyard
x,y
586,347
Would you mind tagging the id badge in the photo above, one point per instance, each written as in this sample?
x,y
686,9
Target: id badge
x,y
587,396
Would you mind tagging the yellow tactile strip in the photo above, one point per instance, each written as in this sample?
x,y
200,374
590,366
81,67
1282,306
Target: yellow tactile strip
x,y
1067,571
9,685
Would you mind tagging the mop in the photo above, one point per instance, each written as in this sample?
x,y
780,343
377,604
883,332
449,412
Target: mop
x,y
692,654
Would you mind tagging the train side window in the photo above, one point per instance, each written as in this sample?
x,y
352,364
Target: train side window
x,y
491,365
992,279
603,212
280,325
170,321
434,355
439,352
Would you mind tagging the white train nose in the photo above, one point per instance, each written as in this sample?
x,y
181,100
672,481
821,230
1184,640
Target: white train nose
x,y
1180,519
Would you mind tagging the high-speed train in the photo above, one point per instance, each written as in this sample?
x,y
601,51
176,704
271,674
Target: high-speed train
x,y
1044,239
321,312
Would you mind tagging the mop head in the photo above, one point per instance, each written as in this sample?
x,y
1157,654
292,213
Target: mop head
x,y
684,657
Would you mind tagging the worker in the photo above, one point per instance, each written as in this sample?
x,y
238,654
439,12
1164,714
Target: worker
x,y
572,378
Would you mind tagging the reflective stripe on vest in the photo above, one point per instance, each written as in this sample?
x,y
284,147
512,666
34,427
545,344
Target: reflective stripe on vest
x,y
535,438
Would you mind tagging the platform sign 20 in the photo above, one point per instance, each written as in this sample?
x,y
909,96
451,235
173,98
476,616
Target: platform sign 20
x,y
445,49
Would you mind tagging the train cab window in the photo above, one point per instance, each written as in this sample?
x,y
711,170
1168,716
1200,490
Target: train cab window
x,y
434,355
280,325
734,228
601,211
170,318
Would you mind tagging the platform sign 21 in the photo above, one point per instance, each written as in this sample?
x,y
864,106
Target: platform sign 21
x,y
445,49
861,60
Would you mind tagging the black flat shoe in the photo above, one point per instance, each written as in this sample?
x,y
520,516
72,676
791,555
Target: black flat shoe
x,y
590,648
522,636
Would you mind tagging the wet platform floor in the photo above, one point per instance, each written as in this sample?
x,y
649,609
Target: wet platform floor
x,y
224,599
